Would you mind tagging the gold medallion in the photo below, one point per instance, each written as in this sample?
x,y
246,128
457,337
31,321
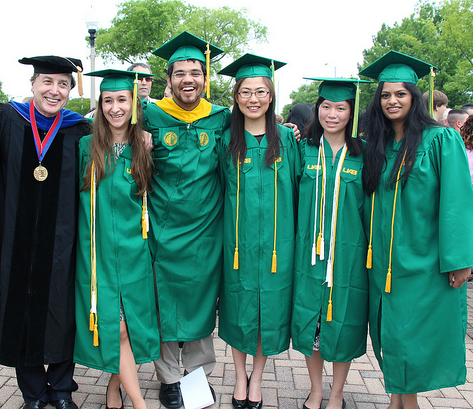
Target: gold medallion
x,y
40,173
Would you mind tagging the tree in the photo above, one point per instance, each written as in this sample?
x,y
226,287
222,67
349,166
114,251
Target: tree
x,y
3,97
441,35
79,105
141,26
307,93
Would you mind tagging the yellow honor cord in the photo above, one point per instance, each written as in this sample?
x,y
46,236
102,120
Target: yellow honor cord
x,y
207,64
274,259
389,275
320,238
431,92
235,256
144,217
369,256
357,112
93,323
134,116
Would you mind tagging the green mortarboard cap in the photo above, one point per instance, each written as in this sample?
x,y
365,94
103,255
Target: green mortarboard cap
x,y
186,46
52,64
337,89
117,80
250,65
397,67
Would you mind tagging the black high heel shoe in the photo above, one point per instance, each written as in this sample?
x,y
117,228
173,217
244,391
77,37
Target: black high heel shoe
x,y
121,397
243,403
251,404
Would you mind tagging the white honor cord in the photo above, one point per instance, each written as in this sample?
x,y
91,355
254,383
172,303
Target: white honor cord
x,y
94,254
324,182
314,244
336,191
146,211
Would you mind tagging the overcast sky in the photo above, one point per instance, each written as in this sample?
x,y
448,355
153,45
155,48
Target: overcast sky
x,y
315,38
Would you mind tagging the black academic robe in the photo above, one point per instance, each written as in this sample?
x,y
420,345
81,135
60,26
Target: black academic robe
x,y
37,236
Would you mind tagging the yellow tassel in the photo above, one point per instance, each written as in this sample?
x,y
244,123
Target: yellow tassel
x,y
96,336
319,243
79,81
207,65
134,117
388,282
91,321
235,259
274,263
329,311
369,257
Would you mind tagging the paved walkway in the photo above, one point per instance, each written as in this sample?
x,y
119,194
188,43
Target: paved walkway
x,y
285,382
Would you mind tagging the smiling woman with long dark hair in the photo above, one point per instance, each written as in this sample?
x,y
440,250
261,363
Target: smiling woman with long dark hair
x,y
419,220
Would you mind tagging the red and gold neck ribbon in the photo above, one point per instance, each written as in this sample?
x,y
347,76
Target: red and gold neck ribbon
x,y
42,147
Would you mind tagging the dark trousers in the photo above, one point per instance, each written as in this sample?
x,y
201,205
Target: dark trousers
x,y
45,384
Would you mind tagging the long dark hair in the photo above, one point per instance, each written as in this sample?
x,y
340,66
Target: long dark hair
x,y
379,132
101,147
314,130
237,143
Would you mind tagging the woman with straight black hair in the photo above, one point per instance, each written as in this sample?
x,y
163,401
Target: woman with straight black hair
x,y
420,227
260,170
330,303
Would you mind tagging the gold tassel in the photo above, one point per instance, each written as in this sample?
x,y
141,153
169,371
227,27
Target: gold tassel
x,y
235,259
329,311
431,92
144,218
274,262
96,336
91,321
79,81
369,257
354,131
207,61
319,243
388,282
134,117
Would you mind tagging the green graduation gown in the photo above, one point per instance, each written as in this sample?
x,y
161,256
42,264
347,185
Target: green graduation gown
x,y
343,338
186,220
418,329
124,270
253,295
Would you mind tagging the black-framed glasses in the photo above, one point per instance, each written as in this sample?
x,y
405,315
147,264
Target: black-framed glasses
x,y
261,93
182,74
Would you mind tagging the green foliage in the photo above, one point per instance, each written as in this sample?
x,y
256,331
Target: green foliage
x,y
307,93
79,105
141,26
3,97
441,35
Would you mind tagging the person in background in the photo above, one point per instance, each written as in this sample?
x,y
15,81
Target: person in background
x,y
330,313
466,132
468,107
116,314
144,86
440,104
38,196
419,220
456,118
260,168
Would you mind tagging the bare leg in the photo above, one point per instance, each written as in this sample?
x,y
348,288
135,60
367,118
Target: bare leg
x,y
340,372
113,396
397,401
410,401
128,375
259,361
315,366
239,360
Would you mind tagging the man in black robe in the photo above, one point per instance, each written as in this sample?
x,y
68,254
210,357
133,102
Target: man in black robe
x,y
38,201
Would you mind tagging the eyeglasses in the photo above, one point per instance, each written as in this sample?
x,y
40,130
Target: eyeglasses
x,y
147,79
182,74
261,93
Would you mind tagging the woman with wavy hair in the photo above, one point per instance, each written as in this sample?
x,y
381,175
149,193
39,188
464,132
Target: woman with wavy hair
x,y
116,314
